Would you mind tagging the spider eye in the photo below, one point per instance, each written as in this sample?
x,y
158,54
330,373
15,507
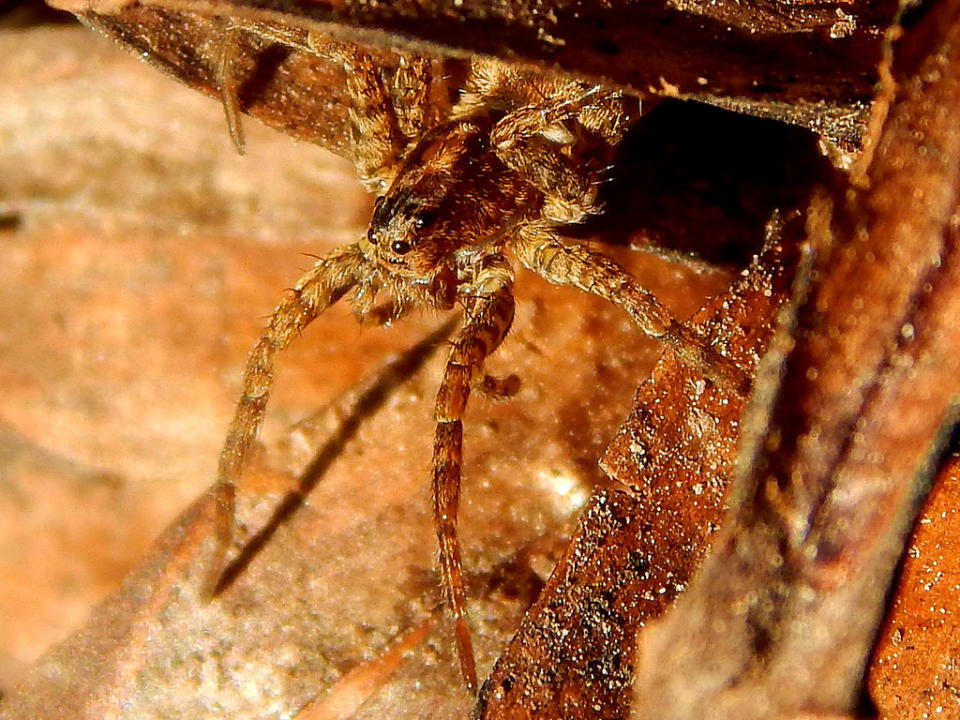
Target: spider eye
x,y
425,219
372,236
400,247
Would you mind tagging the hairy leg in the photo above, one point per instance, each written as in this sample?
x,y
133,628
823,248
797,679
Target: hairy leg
x,y
562,146
547,98
489,315
326,282
375,130
384,116
230,47
558,133
410,95
542,252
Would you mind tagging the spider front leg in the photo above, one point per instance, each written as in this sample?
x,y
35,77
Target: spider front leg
x,y
385,117
489,315
327,281
230,48
227,84
385,113
540,251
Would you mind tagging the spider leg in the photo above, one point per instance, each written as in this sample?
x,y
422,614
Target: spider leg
x,y
539,100
325,283
572,191
555,145
539,250
410,94
489,315
227,84
384,118
557,134
226,69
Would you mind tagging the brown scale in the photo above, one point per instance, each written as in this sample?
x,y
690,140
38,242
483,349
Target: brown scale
x,y
518,156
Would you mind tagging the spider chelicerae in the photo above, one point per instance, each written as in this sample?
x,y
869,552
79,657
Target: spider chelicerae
x,y
461,201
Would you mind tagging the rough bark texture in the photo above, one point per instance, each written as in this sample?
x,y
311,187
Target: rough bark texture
x,y
841,449
806,64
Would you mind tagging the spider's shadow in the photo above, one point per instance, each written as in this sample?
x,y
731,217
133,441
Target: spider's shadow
x,y
697,181
371,399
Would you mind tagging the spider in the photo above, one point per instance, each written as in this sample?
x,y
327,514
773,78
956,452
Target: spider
x,y
461,200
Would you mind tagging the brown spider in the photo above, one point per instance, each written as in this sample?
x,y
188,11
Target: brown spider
x,y
518,155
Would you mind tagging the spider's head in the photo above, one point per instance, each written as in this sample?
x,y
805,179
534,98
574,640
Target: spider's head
x,y
450,192
406,234
420,220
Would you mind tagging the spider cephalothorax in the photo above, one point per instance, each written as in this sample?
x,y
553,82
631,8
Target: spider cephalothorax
x,y
451,193
461,201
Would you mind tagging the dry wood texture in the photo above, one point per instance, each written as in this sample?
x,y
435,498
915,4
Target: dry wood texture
x,y
844,446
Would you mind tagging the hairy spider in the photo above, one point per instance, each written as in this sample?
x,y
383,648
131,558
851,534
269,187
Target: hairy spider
x,y
460,201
